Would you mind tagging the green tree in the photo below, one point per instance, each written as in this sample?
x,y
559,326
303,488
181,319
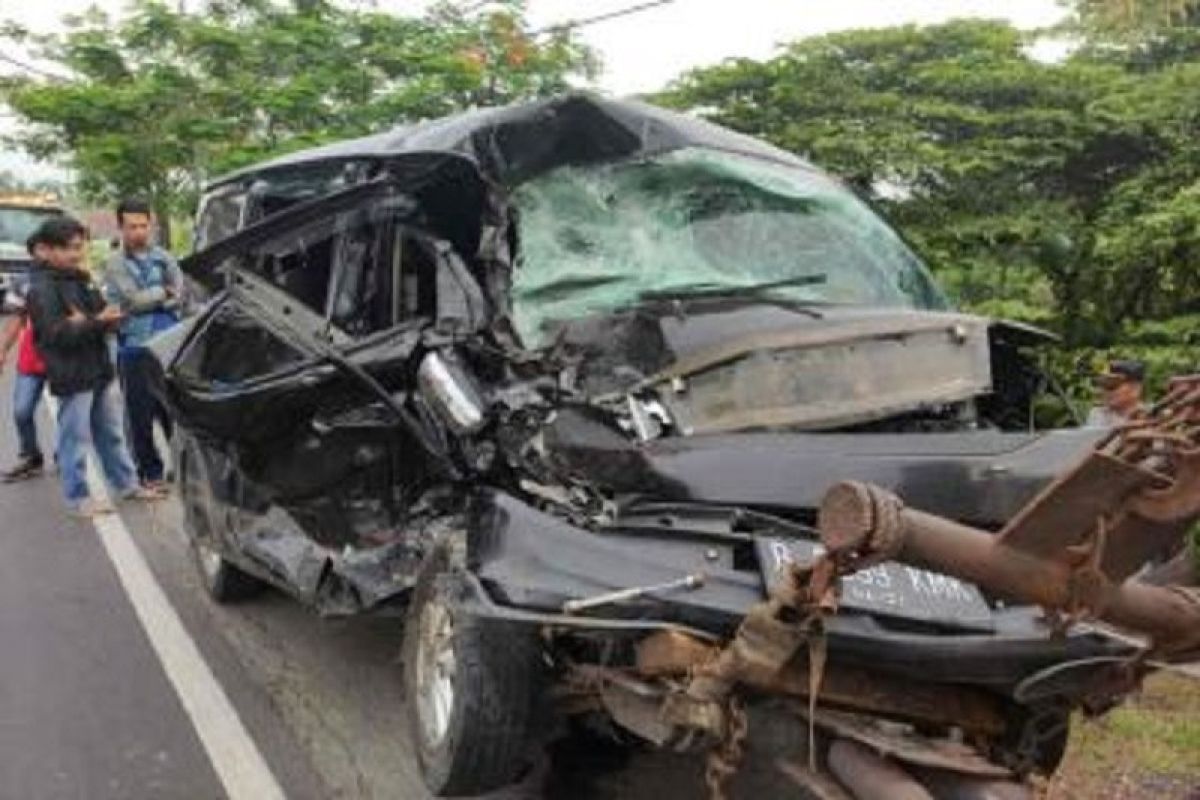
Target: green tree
x,y
158,101
1133,19
1060,193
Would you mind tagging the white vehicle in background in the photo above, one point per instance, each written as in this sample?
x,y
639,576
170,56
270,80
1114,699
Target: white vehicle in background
x,y
20,214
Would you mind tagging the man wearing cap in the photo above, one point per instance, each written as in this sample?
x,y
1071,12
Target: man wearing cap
x,y
1122,388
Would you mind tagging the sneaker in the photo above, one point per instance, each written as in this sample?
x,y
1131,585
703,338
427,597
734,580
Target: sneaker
x,y
90,507
161,488
26,468
141,494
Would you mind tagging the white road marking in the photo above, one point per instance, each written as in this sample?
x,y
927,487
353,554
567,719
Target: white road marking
x,y
235,757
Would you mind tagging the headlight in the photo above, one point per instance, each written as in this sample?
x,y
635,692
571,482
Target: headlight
x,y
451,392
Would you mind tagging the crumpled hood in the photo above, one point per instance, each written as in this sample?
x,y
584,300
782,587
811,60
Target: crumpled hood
x,y
625,350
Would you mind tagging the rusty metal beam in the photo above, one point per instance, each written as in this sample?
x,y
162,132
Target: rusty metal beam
x,y
875,693
673,654
872,524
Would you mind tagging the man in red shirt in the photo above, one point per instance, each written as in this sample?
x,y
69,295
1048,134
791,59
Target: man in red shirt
x,y
28,387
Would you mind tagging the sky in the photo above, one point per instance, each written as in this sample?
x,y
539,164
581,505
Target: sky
x,y
643,51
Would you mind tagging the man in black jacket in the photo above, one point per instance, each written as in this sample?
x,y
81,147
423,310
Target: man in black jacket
x,y
70,326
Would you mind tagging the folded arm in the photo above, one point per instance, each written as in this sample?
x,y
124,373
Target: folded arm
x,y
58,326
125,290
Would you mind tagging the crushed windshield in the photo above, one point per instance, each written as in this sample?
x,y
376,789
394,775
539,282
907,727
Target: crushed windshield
x,y
16,224
596,239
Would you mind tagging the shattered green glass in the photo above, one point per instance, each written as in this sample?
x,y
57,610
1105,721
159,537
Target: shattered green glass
x,y
596,239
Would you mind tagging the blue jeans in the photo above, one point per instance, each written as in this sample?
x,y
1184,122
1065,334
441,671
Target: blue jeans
x,y
27,394
142,409
92,418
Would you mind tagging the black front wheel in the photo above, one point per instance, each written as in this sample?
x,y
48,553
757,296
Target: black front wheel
x,y
470,686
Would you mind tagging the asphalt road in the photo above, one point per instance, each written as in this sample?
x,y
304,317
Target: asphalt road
x,y
87,709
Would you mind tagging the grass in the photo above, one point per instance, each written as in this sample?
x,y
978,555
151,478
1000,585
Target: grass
x,y
1148,749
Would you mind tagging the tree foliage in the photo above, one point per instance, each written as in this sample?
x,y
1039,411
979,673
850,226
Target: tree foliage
x,y
1065,193
1133,19
158,100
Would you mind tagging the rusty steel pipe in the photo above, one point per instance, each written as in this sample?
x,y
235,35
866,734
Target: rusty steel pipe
x,y
869,776
874,525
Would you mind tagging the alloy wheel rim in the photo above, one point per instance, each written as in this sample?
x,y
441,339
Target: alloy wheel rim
x,y
436,668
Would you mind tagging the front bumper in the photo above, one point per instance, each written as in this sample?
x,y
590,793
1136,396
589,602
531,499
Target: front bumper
x,y
529,564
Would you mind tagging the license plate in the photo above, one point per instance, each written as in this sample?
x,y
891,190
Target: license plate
x,y
889,589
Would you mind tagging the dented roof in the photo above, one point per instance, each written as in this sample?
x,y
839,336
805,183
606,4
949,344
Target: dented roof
x,y
511,144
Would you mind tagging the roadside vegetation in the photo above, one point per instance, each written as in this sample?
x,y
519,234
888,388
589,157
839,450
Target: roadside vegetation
x,y
1060,191
156,101
1149,749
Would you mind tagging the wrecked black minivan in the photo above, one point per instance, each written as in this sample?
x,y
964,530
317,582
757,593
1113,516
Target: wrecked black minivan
x,y
564,382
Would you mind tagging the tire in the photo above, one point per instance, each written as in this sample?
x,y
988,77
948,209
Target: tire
x,y
223,582
470,686
1036,739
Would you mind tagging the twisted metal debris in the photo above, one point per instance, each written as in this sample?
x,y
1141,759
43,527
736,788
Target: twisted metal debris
x,y
1075,547
1075,550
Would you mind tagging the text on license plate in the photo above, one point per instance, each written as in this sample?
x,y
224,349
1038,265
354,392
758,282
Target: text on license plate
x,y
888,588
